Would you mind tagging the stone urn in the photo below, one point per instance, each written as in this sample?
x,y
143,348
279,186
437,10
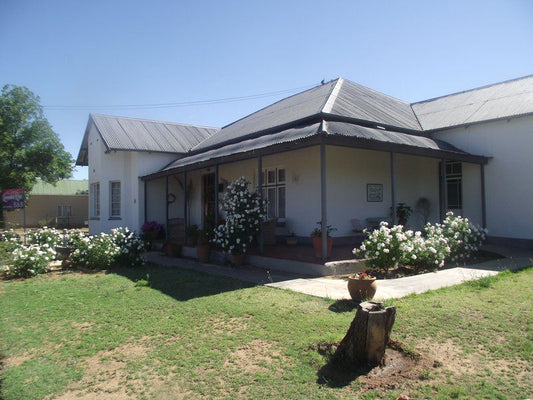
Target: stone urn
x,y
361,287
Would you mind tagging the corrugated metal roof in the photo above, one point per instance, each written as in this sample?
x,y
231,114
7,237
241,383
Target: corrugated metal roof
x,y
339,97
501,100
359,102
329,128
134,134
286,136
64,187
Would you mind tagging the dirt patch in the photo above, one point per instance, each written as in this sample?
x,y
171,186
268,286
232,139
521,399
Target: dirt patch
x,y
399,366
256,356
233,325
15,361
106,375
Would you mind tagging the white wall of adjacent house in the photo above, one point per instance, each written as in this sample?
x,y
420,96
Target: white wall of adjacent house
x,y
125,167
508,184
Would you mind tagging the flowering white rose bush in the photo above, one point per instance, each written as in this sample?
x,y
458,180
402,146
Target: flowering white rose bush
x,y
131,246
456,238
50,237
244,212
30,260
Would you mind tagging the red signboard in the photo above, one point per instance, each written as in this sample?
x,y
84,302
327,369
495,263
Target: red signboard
x,y
12,198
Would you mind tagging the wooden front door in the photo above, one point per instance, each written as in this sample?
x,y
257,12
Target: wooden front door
x,y
208,194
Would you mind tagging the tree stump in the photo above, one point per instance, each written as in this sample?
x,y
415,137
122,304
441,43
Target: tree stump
x,y
368,335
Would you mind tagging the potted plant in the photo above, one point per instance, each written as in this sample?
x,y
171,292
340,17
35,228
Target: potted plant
x,y
292,240
152,230
245,211
192,232
403,212
203,248
362,286
316,236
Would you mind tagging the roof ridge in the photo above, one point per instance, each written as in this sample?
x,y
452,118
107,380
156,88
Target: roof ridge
x,y
332,97
276,102
154,120
471,90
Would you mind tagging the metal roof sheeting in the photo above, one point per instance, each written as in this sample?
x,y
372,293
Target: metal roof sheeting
x,y
501,100
67,187
122,133
327,128
338,97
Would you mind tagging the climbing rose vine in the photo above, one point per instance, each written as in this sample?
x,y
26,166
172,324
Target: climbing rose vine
x,y
244,212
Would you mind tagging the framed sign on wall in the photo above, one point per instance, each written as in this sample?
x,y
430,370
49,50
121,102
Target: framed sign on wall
x,y
374,192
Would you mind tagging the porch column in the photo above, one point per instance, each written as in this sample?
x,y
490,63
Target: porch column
x,y
393,185
443,188
145,183
260,191
166,207
483,201
185,222
323,202
216,195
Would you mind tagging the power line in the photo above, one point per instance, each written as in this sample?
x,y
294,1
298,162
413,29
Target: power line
x,y
175,104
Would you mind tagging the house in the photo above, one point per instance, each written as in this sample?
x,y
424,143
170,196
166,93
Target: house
x,y
63,205
339,153
119,150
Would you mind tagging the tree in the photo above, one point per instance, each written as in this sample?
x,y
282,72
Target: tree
x,y
29,148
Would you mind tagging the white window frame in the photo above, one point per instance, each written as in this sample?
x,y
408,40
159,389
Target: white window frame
x,y
454,175
272,188
114,202
94,196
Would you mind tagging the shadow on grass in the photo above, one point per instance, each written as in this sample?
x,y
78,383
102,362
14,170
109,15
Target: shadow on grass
x,y
336,373
181,284
342,306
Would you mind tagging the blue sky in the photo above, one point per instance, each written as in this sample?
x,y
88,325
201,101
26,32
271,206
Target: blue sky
x,y
82,55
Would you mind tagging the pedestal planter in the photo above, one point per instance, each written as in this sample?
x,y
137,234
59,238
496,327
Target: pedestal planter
x,y
203,251
362,289
63,253
238,259
317,246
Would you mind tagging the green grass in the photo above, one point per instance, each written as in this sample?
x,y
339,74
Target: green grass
x,y
158,332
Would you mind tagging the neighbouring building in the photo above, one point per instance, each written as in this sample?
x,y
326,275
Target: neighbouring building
x,y
63,205
339,153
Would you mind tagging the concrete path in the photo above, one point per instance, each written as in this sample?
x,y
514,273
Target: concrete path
x,y
337,288
396,288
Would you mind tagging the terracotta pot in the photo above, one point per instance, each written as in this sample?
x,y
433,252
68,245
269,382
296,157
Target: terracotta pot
x,y
317,246
203,252
362,289
238,259
173,249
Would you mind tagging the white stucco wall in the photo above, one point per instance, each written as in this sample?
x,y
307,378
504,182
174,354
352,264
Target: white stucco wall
x,y
508,184
126,167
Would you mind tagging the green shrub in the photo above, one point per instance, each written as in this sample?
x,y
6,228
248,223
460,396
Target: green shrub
x,y
29,261
95,252
131,246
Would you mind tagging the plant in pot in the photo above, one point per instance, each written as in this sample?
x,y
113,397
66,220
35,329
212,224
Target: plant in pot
x,y
192,232
362,286
316,236
203,248
151,230
403,212
244,211
292,240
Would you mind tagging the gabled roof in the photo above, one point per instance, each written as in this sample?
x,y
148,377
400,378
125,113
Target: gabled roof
x,y
67,187
501,100
338,98
135,134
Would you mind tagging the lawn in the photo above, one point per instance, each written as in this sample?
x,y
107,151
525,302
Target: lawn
x,y
166,333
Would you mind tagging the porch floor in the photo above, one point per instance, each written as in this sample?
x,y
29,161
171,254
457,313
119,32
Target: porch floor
x,y
303,253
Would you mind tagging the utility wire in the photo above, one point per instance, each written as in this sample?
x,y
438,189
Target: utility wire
x,y
175,104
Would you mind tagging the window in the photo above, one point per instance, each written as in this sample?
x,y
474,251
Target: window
x,y
114,197
64,211
454,178
94,199
274,192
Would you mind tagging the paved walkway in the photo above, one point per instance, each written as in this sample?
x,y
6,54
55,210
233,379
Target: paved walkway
x,y
337,288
